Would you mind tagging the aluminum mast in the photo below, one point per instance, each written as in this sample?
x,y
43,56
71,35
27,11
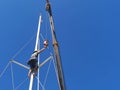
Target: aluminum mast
x,y
36,48
56,48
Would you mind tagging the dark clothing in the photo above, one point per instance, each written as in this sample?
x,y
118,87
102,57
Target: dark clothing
x,y
33,66
33,62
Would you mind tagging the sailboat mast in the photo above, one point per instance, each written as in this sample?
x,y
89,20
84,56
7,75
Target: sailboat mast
x,y
38,33
31,81
56,48
36,48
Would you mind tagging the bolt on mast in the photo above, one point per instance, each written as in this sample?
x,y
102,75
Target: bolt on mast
x,y
56,48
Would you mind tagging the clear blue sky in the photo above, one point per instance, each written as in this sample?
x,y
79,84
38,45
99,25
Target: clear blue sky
x,y
88,32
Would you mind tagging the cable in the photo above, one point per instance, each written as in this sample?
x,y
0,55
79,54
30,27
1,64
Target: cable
x,y
49,66
23,47
21,83
47,73
55,70
4,70
43,88
12,76
42,37
46,27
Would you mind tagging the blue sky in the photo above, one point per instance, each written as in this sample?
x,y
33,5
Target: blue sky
x,y
88,32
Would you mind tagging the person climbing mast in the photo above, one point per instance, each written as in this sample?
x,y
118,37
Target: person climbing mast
x,y
33,62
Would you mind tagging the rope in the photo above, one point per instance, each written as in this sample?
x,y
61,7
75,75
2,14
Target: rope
x,y
23,47
21,83
4,70
47,73
12,76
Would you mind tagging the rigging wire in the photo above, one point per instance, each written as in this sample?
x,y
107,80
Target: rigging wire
x,y
46,26
43,88
12,76
4,70
47,73
48,46
51,60
42,37
21,83
46,29
20,50
55,70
